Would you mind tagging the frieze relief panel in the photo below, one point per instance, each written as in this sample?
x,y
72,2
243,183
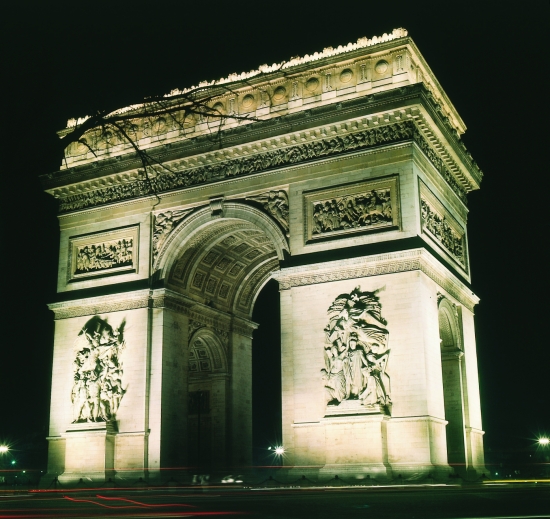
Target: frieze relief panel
x,y
441,227
356,355
285,156
356,208
103,253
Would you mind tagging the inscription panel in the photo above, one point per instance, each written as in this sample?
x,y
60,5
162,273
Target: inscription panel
x,y
104,253
351,209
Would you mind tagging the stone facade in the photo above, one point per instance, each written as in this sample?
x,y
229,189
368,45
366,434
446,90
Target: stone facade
x,y
342,175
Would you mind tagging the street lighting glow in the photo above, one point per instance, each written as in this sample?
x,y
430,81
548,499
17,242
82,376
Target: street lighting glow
x,y
3,449
279,450
544,441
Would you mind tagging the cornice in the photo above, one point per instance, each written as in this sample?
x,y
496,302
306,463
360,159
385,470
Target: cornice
x,y
106,171
101,304
160,298
288,150
406,261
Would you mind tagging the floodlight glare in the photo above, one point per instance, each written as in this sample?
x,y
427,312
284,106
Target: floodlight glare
x,y
3,449
279,450
544,441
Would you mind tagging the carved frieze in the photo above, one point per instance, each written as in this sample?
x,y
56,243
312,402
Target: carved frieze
x,y
440,226
103,253
284,156
275,203
97,371
350,209
356,352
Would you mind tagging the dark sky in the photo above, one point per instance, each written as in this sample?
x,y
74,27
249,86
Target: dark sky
x,y
63,60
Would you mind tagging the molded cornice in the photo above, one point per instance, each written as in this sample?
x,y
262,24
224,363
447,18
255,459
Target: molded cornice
x,y
407,261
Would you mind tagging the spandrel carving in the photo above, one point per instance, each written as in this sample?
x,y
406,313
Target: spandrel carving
x,y
356,351
97,388
274,203
163,226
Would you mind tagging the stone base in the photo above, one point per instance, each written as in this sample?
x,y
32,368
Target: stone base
x,y
356,473
411,472
353,408
89,453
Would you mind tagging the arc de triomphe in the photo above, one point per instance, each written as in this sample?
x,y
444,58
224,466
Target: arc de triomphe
x,y
342,176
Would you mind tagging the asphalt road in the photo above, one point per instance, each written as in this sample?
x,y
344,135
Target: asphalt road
x,y
500,501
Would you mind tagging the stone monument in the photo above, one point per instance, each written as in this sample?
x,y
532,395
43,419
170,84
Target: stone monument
x,y
342,176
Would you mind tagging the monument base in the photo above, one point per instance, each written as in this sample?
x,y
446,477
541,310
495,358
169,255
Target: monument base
x,y
90,448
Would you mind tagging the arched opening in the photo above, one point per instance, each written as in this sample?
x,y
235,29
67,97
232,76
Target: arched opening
x,y
266,374
453,385
206,399
220,269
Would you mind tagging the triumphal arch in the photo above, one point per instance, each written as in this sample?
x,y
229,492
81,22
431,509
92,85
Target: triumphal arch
x,y
342,176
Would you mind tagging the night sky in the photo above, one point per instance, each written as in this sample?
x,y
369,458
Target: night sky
x,y
63,60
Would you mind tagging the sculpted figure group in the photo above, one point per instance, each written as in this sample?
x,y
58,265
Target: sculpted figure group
x,y
442,231
356,351
101,256
97,388
276,204
349,212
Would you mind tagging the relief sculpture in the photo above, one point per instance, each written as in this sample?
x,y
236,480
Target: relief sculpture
x,y
105,255
191,176
349,212
97,369
439,228
356,352
276,204
163,225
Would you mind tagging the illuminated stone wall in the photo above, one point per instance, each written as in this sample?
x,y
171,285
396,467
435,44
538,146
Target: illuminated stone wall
x,y
350,182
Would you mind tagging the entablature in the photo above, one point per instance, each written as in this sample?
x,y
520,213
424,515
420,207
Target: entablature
x,y
407,113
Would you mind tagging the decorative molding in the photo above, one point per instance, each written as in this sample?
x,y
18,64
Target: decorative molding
x,y
255,280
243,326
125,301
101,304
351,209
103,253
216,206
411,260
262,161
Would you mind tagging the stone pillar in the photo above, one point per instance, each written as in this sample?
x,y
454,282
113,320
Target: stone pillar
x,y
240,403
287,379
472,419
168,385
451,363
